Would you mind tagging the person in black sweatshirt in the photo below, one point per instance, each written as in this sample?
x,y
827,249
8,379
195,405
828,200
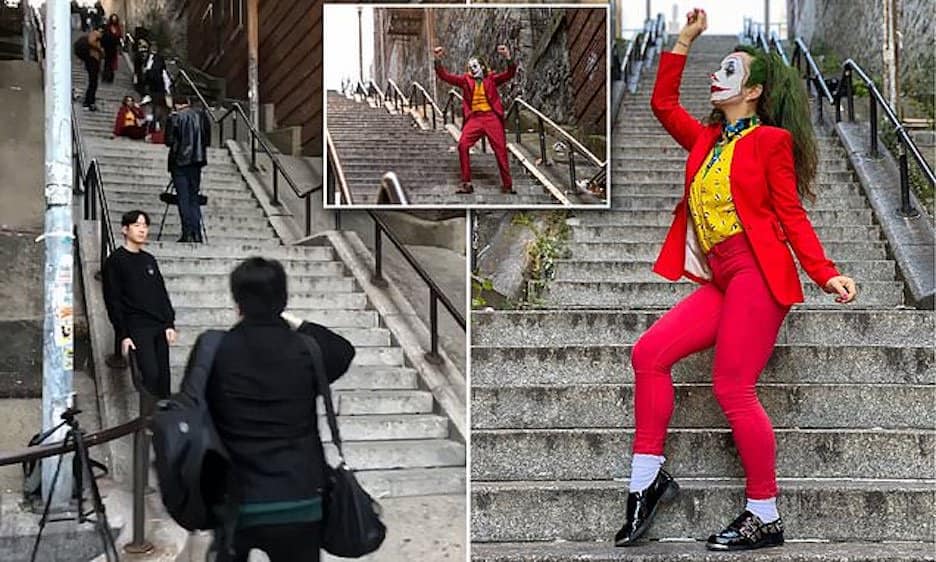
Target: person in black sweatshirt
x,y
261,395
138,305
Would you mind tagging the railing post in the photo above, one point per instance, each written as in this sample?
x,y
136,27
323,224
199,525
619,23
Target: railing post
x,y
873,119
517,124
906,208
308,217
378,279
221,132
253,152
851,95
275,200
234,125
433,356
139,545
433,119
572,168
542,139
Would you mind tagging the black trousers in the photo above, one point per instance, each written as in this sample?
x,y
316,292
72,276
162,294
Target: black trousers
x,y
187,180
290,542
152,352
93,66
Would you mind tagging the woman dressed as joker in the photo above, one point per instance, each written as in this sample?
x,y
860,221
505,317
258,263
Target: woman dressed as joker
x,y
747,169
483,113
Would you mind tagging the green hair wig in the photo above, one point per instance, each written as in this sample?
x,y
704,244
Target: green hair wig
x,y
783,103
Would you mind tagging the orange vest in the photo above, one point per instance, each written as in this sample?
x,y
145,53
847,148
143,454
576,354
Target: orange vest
x,y
479,100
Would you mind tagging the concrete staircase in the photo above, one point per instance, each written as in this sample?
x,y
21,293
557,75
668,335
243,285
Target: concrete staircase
x,y
394,435
371,141
850,389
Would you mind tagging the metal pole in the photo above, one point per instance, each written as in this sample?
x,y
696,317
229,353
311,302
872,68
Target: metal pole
x,y
253,72
648,11
433,355
378,279
360,42
767,18
58,342
873,120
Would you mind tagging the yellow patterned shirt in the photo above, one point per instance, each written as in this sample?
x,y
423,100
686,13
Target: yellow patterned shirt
x,y
710,202
479,100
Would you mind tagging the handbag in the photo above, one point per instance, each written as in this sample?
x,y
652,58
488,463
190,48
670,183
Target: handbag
x,y
351,525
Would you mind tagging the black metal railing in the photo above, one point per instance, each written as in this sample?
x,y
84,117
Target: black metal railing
x,y
258,144
395,96
452,106
420,97
436,295
542,123
818,86
391,192
641,50
95,200
339,193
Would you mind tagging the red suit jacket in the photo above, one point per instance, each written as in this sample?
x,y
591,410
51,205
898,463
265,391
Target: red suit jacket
x,y
467,84
120,121
763,187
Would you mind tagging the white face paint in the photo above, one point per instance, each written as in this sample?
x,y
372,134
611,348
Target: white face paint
x,y
474,66
728,79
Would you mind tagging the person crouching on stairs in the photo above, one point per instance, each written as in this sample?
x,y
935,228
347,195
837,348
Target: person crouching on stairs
x,y
130,121
138,304
730,233
482,112
188,136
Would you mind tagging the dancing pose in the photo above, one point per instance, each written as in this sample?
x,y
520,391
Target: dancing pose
x,y
483,112
748,168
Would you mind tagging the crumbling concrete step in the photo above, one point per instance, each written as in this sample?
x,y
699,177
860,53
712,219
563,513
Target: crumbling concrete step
x,y
413,482
221,283
314,299
383,428
658,217
225,317
387,455
220,266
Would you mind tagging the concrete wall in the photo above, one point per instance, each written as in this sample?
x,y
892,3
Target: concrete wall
x,y
21,220
853,29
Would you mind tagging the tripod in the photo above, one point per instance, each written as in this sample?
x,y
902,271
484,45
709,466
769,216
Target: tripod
x,y
85,476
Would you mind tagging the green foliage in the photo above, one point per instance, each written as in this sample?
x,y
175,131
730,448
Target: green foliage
x,y
478,287
918,182
157,22
547,246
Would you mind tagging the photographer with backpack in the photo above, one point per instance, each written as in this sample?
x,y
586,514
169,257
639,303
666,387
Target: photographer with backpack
x,y
259,384
88,49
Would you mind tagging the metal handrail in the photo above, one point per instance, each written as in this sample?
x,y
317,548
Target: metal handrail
x,y
518,102
777,44
846,88
427,99
435,293
390,191
814,75
338,177
399,100
37,452
450,97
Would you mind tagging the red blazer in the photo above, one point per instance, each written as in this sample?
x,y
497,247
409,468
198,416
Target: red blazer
x,y
119,122
467,84
763,187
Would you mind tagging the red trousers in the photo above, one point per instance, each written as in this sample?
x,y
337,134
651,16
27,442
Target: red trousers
x,y
738,315
485,124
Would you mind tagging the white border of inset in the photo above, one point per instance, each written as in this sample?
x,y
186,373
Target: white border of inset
x,y
468,206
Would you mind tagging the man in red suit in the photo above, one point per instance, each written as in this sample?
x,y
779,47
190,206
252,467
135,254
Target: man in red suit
x,y
483,112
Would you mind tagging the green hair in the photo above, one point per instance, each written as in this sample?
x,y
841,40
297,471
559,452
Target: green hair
x,y
783,103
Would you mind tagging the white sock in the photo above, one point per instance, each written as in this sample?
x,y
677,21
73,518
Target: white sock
x,y
644,469
766,510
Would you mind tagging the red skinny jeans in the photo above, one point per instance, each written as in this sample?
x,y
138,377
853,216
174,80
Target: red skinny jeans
x,y
484,124
738,315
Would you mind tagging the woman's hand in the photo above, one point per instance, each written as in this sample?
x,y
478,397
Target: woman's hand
x,y
696,23
842,286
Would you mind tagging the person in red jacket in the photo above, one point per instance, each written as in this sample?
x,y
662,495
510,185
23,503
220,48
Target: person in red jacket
x,y
113,37
130,122
741,212
483,113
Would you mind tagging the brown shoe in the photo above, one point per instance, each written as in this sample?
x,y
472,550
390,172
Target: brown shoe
x,y
465,188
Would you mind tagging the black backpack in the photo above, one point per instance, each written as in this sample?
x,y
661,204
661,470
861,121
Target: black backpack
x,y
196,478
82,48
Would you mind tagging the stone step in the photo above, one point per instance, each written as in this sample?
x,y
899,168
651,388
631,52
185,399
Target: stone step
x,y
214,218
910,328
586,364
621,217
386,455
137,174
633,163
641,270
594,233
826,192
377,378
214,235
413,481
851,251
367,356
831,510
333,318
789,406
383,428
359,337
219,266
315,300
271,250
631,201
133,149
665,294
666,148
693,551
221,283
217,205
602,454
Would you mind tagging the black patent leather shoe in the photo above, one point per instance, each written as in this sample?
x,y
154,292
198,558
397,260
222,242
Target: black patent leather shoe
x,y
747,532
642,506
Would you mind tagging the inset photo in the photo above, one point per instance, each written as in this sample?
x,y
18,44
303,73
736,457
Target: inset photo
x,y
466,106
